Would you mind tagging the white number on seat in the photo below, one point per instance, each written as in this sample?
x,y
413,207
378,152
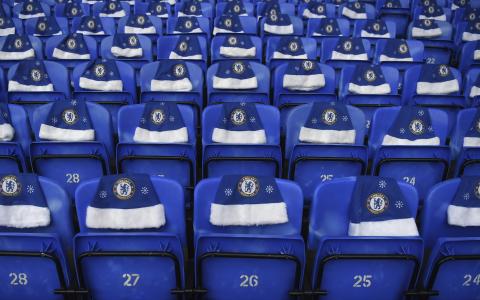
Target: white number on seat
x,y
410,180
73,177
18,278
326,177
131,279
248,281
470,280
364,281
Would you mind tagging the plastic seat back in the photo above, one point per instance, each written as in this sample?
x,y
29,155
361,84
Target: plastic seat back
x,y
466,56
438,50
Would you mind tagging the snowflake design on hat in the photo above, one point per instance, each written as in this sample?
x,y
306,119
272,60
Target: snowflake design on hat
x,y
252,120
430,128
399,204
269,189
171,119
421,112
382,184
144,190
314,121
54,120
345,118
402,130
102,194
84,120
142,120
30,189
228,192
466,196
74,102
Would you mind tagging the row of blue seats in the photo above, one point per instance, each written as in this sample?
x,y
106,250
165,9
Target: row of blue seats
x,y
121,258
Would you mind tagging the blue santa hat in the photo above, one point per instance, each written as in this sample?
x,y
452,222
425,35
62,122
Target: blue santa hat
x,y
191,9
348,48
426,3
30,76
158,9
238,46
139,24
234,7
472,31
161,122
16,47
392,4
290,47
368,80
375,29
125,201
228,24
72,9
303,75
472,135
47,26
464,210
412,127
425,28
248,201
378,208
315,10
235,75
327,27
355,11
239,124
101,75
31,9
112,9
188,47
278,24
67,121
475,90
433,12
396,51
456,4
171,76
270,8
328,123
471,14
91,25
187,25
22,202
7,132
73,46
126,45
7,26
436,79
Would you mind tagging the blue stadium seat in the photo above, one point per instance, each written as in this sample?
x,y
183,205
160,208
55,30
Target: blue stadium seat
x,y
365,267
464,34
6,10
297,24
268,260
35,43
17,27
193,97
249,25
14,153
32,24
108,25
137,264
399,15
313,25
97,9
166,44
466,13
163,12
466,155
71,163
416,52
112,100
220,7
58,76
328,47
218,41
452,267
370,102
471,97
17,9
207,9
450,103
83,9
310,164
467,57
259,95
204,24
304,10
359,27
286,99
170,160
54,41
259,159
285,8
369,11
438,49
35,260
421,166
156,23
309,46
